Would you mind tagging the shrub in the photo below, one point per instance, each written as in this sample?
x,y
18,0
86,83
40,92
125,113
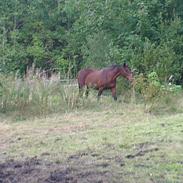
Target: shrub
x,y
157,97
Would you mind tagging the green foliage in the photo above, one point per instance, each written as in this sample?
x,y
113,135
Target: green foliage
x,y
78,33
97,50
176,89
149,87
157,97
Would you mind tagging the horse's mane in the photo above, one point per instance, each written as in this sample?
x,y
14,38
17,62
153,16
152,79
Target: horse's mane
x,y
113,66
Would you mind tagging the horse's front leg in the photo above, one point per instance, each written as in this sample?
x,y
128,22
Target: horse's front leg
x,y
99,93
87,92
113,90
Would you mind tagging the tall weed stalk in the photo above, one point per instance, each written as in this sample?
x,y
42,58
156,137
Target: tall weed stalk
x,y
36,95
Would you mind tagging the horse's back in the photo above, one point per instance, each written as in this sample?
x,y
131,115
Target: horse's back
x,y
82,74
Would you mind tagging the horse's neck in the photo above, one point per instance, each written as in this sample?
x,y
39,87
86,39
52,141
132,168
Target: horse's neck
x,y
116,74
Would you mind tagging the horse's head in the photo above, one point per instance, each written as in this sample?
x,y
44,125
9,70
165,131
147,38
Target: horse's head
x,y
126,72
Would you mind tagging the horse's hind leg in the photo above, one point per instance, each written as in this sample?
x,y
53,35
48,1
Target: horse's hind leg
x,y
83,92
80,91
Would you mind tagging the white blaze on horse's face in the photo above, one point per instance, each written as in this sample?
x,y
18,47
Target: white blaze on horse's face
x,y
130,78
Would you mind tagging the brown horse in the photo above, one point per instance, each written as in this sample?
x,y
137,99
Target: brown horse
x,y
103,79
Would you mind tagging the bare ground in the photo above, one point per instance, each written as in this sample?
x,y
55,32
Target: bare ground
x,y
84,167
79,168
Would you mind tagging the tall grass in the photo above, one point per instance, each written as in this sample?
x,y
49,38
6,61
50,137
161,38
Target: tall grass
x,y
36,95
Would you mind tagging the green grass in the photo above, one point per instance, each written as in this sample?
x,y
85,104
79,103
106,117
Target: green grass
x,y
150,146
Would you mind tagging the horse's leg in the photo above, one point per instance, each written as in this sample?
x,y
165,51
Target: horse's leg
x,y
80,91
99,93
113,90
87,92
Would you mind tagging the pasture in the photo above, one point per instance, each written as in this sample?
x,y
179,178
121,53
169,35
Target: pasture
x,y
105,142
129,130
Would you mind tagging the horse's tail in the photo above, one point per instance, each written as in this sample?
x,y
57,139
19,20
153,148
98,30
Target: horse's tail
x,y
82,76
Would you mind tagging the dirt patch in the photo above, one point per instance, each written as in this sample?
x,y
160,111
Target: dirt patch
x,y
61,176
83,167
87,166
19,171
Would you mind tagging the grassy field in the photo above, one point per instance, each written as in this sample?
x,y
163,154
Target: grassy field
x,y
111,142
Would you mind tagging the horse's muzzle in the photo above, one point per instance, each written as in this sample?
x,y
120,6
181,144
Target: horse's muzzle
x,y
130,78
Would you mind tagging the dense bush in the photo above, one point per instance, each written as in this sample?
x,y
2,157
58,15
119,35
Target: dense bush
x,y
69,35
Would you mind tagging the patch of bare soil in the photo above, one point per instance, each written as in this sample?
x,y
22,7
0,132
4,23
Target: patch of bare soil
x,y
84,167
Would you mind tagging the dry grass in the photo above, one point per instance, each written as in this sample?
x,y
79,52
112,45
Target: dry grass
x,y
36,95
